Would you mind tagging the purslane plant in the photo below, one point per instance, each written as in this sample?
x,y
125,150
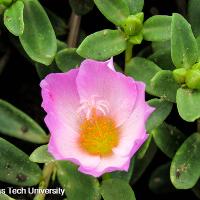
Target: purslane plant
x,y
170,71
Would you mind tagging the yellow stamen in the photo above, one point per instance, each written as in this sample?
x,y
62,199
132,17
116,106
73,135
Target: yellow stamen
x,y
98,135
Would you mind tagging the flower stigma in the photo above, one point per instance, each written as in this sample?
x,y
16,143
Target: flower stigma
x,y
98,131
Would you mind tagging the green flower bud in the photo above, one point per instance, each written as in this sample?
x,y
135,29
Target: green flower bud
x,y
137,39
133,24
193,79
180,75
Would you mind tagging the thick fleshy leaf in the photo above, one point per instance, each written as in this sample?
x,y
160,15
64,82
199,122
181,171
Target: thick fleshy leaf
x,y
116,189
164,85
156,46
159,182
114,10
183,44
194,15
15,123
168,138
76,184
135,6
38,38
41,155
114,42
67,59
157,28
141,163
163,109
43,70
81,7
13,18
142,69
162,58
15,166
126,176
188,104
5,197
185,170
143,149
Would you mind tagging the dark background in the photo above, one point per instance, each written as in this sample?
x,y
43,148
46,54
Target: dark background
x,y
19,85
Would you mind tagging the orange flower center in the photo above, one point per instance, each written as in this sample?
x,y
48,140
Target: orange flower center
x,y
98,135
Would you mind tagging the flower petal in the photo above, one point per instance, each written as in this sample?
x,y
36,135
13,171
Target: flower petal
x,y
97,79
133,133
64,145
60,96
108,164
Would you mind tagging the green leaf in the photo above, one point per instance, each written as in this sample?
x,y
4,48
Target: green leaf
x,y
183,44
159,182
81,7
77,185
188,104
15,166
194,15
142,69
61,45
38,38
164,85
162,55
41,155
114,10
156,46
114,42
143,149
122,175
141,163
15,123
185,170
5,197
168,138
157,28
43,70
163,109
59,25
13,18
135,6
116,189
67,59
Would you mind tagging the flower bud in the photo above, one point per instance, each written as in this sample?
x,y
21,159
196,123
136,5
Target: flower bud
x,y
179,75
133,24
193,79
136,39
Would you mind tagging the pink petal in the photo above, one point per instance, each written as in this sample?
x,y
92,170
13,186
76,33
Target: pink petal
x,y
63,145
60,96
108,164
97,79
133,133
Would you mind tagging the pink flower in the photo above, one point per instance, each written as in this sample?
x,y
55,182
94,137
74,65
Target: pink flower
x,y
96,116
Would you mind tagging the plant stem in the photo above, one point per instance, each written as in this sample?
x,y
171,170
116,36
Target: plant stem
x,y
46,176
128,53
74,25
